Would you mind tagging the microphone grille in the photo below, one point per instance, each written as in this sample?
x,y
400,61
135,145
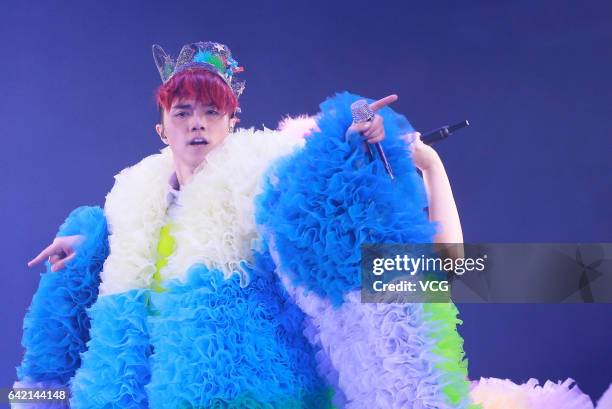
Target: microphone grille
x,y
361,111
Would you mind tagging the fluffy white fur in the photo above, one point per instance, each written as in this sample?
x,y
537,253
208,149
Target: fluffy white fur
x,y
214,222
301,125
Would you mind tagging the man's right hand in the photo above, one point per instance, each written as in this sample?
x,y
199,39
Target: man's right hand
x,y
60,252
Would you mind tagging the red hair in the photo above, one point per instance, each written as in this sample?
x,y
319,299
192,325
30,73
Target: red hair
x,y
199,84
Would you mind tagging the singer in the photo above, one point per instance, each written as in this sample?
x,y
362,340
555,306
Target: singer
x,y
223,272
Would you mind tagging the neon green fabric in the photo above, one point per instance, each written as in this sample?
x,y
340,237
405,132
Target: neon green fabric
x,y
165,247
449,347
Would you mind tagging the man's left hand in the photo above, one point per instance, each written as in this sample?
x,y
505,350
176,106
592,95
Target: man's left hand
x,y
373,131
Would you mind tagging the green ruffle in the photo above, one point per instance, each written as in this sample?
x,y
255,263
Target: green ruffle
x,y
449,347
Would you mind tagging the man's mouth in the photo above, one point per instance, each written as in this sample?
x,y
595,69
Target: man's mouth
x,y
198,141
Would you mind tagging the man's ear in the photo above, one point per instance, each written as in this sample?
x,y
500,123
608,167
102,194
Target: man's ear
x,y
159,128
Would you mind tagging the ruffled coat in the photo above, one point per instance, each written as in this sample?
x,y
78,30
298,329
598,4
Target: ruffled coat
x,y
259,306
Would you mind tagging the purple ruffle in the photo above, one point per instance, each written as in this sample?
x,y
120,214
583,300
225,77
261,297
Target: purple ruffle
x,y
375,355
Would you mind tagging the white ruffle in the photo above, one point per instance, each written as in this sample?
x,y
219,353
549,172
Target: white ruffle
x,y
493,393
135,209
214,223
605,402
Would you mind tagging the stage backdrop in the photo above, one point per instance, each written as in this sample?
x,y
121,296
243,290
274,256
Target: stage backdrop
x,y
77,82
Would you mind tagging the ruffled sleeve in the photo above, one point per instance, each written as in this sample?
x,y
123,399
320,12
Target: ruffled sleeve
x,y
318,207
56,325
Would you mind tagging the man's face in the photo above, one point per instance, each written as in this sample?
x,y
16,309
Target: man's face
x,y
193,130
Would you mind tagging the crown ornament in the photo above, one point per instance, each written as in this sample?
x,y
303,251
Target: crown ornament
x,y
214,57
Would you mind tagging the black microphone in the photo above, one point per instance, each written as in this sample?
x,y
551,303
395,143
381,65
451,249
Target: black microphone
x,y
361,112
436,135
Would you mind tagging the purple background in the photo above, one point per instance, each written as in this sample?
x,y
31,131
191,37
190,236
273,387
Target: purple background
x,y
77,81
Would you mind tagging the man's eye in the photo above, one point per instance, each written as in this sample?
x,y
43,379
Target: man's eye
x,y
212,112
181,114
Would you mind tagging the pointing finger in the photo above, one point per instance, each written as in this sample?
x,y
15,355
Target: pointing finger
x,y
389,99
43,255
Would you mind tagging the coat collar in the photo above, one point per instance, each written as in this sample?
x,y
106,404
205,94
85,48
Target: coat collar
x,y
214,223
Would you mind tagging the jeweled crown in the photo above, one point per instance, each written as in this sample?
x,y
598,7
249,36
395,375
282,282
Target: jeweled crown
x,y
209,55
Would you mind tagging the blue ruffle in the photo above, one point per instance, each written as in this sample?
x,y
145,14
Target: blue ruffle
x,y
56,326
217,344
206,342
324,201
116,364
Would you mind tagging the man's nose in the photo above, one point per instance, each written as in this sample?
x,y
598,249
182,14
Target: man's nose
x,y
198,127
198,123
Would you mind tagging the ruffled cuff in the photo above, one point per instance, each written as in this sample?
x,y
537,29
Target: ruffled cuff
x,y
326,200
56,326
